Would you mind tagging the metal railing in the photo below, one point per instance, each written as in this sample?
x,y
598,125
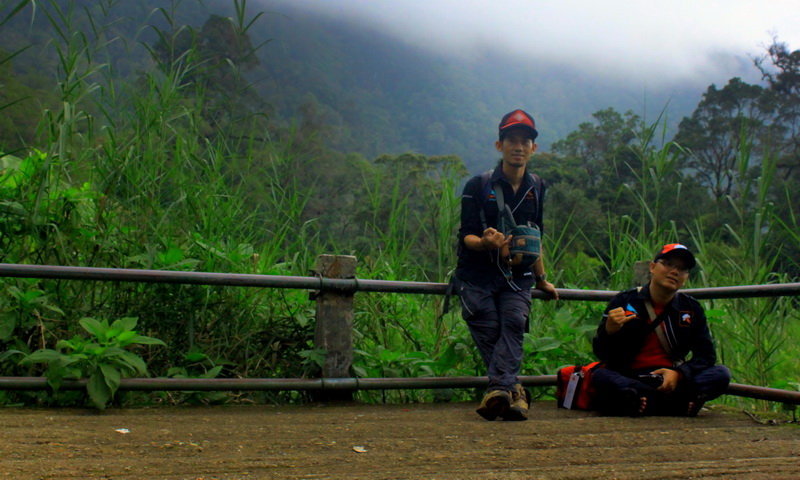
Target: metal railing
x,y
343,384
344,287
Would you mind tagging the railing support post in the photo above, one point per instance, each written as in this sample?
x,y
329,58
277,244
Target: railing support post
x,y
334,328
641,272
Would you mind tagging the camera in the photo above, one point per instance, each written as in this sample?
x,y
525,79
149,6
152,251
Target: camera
x,y
652,379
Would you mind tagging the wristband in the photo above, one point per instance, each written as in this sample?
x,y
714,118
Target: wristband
x,y
540,278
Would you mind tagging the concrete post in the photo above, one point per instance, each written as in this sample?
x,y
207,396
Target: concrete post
x,y
334,327
641,273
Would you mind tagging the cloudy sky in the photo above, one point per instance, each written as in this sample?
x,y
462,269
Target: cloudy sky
x,y
653,41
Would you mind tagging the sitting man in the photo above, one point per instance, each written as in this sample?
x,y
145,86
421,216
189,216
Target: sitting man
x,y
643,340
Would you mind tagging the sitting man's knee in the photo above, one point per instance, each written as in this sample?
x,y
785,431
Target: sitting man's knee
x,y
718,374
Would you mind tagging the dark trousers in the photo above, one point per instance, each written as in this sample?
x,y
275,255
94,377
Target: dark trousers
x,y
618,394
497,316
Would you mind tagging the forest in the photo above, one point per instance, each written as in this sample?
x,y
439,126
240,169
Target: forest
x,y
173,160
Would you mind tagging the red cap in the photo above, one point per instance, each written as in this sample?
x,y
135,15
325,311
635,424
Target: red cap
x,y
515,119
677,250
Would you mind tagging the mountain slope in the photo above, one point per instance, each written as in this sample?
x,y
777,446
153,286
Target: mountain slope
x,y
374,94
383,96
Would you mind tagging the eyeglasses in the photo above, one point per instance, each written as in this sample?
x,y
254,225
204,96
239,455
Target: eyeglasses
x,y
678,267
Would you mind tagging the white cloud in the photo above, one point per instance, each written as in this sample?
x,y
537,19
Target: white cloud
x,y
652,41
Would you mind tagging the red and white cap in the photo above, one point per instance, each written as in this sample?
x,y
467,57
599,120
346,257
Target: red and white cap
x,y
677,250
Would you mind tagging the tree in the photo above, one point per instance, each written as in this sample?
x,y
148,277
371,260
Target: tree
x,y
608,153
20,97
783,78
603,147
213,61
567,204
725,121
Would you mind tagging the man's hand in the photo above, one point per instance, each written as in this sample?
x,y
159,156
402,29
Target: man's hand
x,y
616,318
493,239
547,288
671,379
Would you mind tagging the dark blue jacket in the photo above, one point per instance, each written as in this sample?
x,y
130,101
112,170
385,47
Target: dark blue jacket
x,y
478,267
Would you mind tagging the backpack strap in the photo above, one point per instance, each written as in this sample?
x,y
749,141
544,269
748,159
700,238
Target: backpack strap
x,y
538,191
655,324
486,190
487,187
505,217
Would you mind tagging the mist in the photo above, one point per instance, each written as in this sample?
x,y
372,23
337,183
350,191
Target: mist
x,y
654,43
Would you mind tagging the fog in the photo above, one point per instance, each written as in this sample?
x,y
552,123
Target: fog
x,y
652,42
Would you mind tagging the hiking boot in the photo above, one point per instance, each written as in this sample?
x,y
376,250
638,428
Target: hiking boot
x,y
494,404
518,410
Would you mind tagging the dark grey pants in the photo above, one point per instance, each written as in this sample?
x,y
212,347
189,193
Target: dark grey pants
x,y
612,388
497,317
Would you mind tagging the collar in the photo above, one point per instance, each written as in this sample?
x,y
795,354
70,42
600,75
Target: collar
x,y
644,294
498,175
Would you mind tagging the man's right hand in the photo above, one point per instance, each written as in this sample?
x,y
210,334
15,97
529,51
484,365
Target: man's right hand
x,y
493,239
616,318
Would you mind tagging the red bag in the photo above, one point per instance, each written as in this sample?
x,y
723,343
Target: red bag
x,y
574,389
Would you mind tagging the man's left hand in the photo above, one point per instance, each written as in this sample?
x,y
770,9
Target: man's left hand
x,y
671,379
547,288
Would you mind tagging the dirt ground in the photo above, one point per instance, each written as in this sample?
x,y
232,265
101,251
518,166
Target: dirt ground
x,y
419,441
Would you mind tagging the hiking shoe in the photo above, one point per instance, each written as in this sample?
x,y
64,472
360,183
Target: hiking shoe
x,y
494,404
518,410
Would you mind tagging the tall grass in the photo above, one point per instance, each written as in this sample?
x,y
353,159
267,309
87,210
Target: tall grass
x,y
398,335
136,174
753,334
143,185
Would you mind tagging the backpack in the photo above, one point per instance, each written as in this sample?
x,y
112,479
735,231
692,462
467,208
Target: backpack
x,y
574,389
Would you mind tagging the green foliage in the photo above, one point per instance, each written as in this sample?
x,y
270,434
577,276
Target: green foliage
x,y
781,68
24,309
723,120
559,337
197,364
752,333
103,359
179,165
211,62
604,148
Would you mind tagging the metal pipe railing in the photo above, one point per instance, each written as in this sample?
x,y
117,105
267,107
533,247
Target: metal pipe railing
x,y
340,285
230,384
328,384
346,286
764,393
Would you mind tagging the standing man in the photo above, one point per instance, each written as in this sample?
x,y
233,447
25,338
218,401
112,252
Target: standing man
x,y
495,290
644,338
